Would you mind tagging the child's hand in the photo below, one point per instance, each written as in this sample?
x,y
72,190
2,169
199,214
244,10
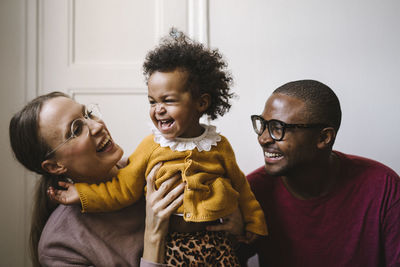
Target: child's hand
x,y
66,197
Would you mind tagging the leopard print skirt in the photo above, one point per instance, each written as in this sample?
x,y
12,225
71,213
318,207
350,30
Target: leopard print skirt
x,y
200,249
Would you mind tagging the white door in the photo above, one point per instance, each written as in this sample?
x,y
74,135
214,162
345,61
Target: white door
x,y
94,51
91,49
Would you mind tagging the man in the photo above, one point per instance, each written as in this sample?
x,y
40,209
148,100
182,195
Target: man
x,y
323,207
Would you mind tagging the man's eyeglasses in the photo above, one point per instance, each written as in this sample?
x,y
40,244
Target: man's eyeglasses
x,y
92,112
277,128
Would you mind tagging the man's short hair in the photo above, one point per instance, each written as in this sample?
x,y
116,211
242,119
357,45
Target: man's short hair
x,y
322,104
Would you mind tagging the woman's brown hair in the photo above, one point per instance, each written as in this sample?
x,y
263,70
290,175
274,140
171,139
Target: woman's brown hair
x,y
30,150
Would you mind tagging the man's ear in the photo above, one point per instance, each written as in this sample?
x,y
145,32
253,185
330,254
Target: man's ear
x,y
203,102
326,137
53,167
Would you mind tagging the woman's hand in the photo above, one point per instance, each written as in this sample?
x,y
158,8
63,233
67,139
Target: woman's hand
x,y
233,224
160,204
69,196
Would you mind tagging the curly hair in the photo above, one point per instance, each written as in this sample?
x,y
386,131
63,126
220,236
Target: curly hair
x,y
206,69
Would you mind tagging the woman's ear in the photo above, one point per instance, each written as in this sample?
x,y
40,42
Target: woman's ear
x,y
326,138
203,102
53,167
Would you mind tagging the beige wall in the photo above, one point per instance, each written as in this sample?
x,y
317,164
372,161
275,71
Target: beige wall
x,y
353,46
13,220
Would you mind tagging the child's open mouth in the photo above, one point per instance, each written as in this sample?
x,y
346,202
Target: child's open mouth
x,y
165,125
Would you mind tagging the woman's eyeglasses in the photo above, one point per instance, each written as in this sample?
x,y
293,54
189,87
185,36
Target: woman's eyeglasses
x,y
277,128
92,112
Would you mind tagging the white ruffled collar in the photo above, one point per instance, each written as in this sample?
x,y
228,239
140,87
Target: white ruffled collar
x,y
209,138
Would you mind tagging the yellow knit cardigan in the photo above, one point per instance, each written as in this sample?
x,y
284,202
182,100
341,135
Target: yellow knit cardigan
x,y
215,184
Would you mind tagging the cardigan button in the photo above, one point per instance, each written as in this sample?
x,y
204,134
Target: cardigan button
x,y
188,215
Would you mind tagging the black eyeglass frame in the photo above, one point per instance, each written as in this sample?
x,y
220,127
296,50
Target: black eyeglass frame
x,y
265,125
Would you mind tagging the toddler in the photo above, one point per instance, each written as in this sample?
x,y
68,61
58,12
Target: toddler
x,y
185,81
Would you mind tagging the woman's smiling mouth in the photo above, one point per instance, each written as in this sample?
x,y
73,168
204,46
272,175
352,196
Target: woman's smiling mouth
x,y
105,144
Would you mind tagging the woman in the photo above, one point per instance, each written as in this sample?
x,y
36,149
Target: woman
x,y
61,139
42,141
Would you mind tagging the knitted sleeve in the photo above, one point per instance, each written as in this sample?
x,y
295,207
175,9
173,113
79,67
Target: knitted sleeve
x,y
121,191
251,210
